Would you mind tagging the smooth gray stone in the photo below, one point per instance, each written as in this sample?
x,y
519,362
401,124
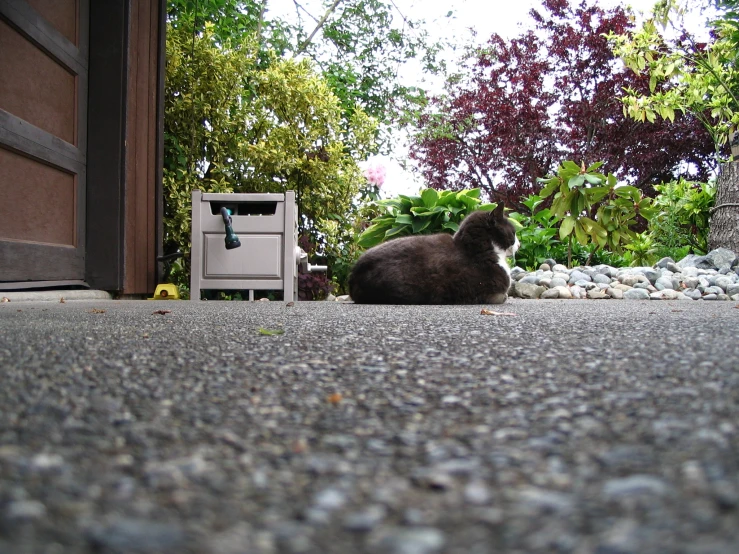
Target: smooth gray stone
x,y
651,274
723,282
602,278
550,294
532,279
721,257
616,294
664,262
636,294
630,279
714,290
578,275
692,260
664,283
366,519
526,290
564,292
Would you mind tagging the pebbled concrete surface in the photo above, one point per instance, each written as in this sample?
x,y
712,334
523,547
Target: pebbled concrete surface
x,y
571,426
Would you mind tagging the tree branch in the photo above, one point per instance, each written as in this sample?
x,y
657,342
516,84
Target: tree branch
x,y
260,24
320,24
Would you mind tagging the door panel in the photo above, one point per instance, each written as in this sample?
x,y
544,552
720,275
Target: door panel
x,y
43,107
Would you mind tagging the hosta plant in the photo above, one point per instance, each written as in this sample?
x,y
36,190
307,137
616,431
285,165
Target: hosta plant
x,y
429,212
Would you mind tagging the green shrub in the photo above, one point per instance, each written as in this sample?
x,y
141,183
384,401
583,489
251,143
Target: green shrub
x,y
642,249
683,213
430,212
537,231
594,208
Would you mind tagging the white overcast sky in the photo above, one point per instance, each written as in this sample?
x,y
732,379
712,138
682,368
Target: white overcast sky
x,y
508,18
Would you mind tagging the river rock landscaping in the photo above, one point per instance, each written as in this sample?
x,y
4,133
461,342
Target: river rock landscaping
x,y
714,276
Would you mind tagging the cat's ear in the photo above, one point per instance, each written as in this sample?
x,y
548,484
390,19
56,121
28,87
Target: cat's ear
x,y
498,212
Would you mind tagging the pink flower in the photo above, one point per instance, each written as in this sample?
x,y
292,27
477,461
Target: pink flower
x,y
375,173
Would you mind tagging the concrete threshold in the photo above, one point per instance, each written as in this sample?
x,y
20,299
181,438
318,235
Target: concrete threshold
x,y
54,295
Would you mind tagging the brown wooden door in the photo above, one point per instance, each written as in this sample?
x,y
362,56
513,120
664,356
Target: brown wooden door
x,y
43,127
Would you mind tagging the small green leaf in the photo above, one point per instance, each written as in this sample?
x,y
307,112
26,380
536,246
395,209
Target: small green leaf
x,y
420,225
581,234
396,231
550,187
568,223
576,181
429,196
270,332
420,211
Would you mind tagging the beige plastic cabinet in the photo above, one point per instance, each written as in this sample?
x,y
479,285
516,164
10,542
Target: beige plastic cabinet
x,y
267,227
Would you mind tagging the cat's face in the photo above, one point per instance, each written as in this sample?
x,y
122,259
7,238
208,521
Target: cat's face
x,y
504,235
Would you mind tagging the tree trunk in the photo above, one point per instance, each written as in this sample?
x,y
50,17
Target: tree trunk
x,y
724,225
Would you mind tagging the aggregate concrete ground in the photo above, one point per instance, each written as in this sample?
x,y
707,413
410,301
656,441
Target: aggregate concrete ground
x,y
605,427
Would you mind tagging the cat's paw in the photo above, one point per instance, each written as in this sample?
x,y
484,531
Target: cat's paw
x,y
498,298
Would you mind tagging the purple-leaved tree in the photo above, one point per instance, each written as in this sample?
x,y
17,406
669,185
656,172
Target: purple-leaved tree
x,y
524,105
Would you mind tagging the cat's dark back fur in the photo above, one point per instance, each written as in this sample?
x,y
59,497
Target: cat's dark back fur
x,y
439,269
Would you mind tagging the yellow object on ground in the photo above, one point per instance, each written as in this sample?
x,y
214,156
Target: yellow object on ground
x,y
167,291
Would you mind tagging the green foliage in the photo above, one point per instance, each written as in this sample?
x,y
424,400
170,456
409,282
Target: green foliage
x,y
233,125
363,45
592,255
341,242
593,208
683,210
643,250
682,76
429,212
230,20
537,232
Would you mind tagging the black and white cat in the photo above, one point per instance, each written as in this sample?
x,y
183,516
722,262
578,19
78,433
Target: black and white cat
x,y
467,268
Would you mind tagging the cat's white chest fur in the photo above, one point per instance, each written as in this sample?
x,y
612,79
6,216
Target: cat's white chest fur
x,y
503,254
502,262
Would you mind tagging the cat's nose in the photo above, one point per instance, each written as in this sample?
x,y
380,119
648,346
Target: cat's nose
x,y
513,249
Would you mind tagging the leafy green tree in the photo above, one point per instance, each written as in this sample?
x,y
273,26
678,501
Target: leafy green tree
x,y
230,20
232,125
358,45
363,44
684,76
